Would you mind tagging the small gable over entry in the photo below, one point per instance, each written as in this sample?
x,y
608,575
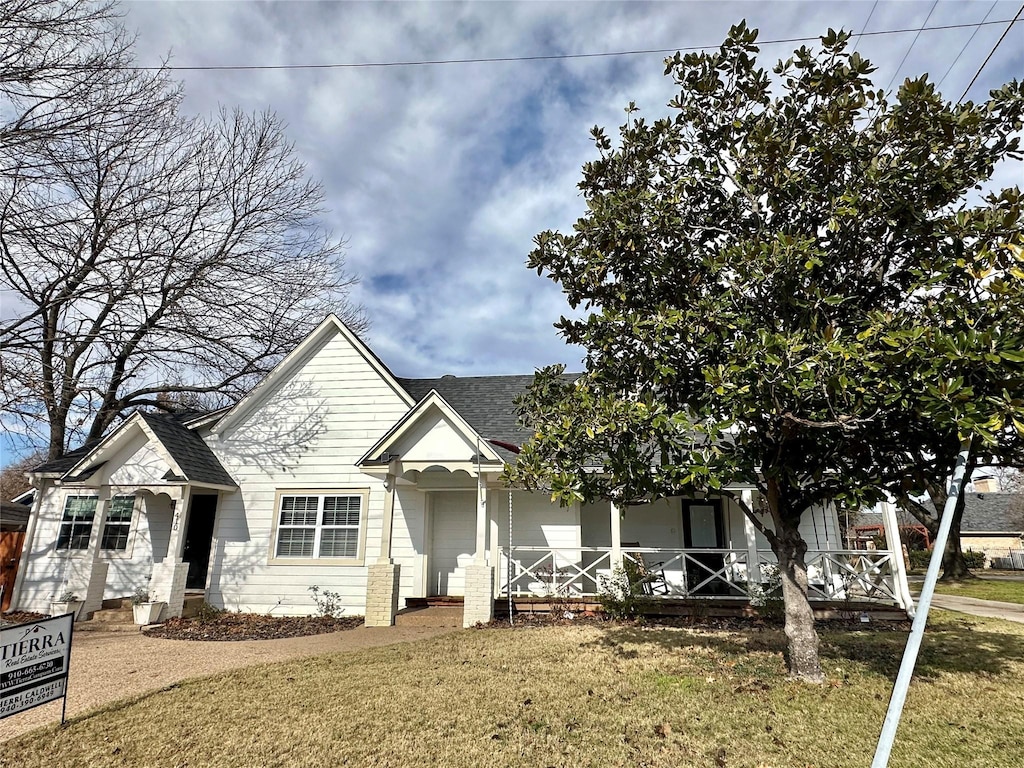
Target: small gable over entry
x,y
431,435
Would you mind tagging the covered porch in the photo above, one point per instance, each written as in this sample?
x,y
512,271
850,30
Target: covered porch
x,y
685,548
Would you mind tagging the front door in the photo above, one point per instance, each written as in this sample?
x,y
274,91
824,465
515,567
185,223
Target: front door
x,y
453,530
703,528
198,538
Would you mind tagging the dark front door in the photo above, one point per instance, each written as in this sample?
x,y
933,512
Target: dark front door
x,y
198,538
703,528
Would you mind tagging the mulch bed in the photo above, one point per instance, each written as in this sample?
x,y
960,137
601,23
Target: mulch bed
x,y
19,617
251,626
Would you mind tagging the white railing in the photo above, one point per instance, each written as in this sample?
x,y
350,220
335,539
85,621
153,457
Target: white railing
x,y
573,572
842,574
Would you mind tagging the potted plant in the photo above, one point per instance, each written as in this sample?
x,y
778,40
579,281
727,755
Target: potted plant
x,y
145,610
68,602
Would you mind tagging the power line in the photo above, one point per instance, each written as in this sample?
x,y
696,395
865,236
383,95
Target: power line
x,y
868,21
545,57
912,44
969,41
1001,38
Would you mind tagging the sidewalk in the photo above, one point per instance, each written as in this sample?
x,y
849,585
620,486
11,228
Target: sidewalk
x,y
987,608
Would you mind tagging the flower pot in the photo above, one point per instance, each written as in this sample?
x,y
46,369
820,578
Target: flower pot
x,y
60,607
147,613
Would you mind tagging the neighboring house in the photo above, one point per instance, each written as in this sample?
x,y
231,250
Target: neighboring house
x,y
993,523
336,474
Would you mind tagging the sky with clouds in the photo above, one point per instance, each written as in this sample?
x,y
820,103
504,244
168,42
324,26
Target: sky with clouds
x,y
439,176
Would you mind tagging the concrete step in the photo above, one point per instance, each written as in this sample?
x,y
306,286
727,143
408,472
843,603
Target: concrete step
x,y
432,616
110,620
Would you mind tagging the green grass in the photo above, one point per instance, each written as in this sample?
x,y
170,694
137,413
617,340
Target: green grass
x,y
985,589
575,696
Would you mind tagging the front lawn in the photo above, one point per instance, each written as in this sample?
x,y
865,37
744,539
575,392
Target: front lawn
x,y
985,589
575,696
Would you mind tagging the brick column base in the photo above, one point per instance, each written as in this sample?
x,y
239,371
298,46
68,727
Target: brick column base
x,y
479,601
168,586
381,594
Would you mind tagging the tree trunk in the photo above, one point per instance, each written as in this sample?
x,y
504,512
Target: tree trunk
x,y
954,564
790,549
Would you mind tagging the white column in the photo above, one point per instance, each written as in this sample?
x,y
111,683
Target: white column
x,y
167,584
176,544
616,528
750,533
899,566
495,549
384,558
481,521
90,579
383,579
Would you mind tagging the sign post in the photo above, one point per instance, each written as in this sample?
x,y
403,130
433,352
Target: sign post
x,y
34,663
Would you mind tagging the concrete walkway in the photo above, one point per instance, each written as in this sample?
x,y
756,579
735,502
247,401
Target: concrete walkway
x,y
107,666
991,609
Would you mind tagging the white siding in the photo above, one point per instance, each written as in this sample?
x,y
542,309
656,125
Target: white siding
x,y
46,568
433,437
305,434
140,463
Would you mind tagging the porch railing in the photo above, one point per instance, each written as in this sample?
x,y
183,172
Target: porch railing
x,y
571,572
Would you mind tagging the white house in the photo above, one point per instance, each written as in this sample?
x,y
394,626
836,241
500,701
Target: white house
x,y
334,473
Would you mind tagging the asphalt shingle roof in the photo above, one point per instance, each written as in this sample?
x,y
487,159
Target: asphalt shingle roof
x,y
993,512
486,402
188,450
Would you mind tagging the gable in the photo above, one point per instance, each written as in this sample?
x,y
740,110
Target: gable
x,y
434,437
140,462
330,356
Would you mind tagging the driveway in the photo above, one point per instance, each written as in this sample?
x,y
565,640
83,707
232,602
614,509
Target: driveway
x,y
107,666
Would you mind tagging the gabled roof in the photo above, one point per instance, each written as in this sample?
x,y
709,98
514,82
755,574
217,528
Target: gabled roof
x,y
431,399
189,457
486,402
197,462
297,357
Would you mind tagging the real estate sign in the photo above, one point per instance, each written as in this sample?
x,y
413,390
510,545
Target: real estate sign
x,y
34,661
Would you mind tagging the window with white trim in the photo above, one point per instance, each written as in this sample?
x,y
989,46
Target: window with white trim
x,y
118,523
319,525
76,523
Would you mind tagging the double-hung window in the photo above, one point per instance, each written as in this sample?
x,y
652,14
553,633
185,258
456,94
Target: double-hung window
x,y
319,525
76,523
118,523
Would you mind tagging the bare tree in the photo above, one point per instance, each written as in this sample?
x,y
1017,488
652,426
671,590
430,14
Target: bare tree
x,y
13,480
150,253
54,55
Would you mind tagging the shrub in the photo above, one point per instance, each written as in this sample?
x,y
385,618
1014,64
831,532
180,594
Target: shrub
x,y
620,596
140,596
207,612
919,559
327,603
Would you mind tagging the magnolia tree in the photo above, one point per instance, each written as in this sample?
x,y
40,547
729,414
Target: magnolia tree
x,y
749,267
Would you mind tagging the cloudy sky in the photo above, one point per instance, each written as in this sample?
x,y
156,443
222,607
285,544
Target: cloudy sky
x,y
439,175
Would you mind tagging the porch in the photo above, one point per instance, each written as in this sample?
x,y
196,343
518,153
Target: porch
x,y
705,573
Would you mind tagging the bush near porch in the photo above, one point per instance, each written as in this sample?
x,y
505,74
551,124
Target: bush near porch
x,y
576,696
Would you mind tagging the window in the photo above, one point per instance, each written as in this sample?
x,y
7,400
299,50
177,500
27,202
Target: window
x,y
315,526
118,523
76,524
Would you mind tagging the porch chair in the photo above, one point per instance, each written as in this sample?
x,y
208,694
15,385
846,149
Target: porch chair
x,y
650,578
